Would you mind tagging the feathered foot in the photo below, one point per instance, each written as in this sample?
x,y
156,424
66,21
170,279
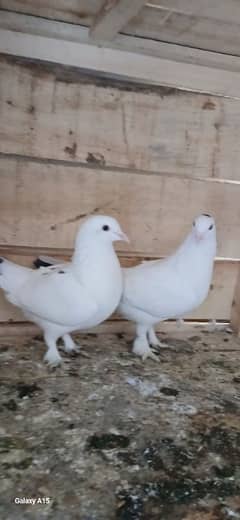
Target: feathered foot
x,y
155,343
141,348
52,356
153,339
69,345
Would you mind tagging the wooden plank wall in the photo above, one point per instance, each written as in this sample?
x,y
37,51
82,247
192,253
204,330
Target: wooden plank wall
x,y
209,25
71,146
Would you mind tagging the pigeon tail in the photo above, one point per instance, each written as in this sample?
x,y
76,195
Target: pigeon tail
x,y
12,276
45,261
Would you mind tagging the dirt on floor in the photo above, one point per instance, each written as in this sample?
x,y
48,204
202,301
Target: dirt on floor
x,y
106,436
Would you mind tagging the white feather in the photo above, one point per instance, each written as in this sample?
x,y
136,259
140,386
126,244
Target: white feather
x,y
73,296
169,288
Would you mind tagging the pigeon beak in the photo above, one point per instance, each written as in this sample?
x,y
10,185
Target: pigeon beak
x,y
199,236
122,236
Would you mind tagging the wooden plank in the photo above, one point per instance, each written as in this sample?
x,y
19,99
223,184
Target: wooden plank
x,y
127,65
18,331
83,11
217,9
74,11
196,30
217,306
235,308
42,206
65,31
112,17
50,113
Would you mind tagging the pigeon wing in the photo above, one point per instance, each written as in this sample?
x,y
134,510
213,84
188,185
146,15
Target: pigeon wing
x,y
54,294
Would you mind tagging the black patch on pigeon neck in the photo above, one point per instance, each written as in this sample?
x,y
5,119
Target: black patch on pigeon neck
x,y
61,272
1,260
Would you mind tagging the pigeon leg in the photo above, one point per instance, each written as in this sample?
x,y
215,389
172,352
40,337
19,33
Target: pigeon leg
x,y
155,342
52,356
69,344
141,346
153,339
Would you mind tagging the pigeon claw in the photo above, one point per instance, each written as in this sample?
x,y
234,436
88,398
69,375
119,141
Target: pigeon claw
x,y
150,354
52,359
143,350
72,350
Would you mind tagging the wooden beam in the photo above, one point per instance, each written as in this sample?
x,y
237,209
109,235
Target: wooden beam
x,y
125,65
72,32
113,17
227,12
235,310
129,58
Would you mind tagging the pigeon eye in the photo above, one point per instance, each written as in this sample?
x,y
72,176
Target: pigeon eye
x,y
210,227
105,227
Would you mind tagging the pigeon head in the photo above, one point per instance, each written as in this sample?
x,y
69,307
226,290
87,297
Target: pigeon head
x,y
203,227
103,228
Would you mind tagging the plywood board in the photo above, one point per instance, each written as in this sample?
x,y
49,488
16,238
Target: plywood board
x,y
49,113
43,204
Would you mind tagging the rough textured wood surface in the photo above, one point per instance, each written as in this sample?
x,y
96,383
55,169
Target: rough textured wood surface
x,y
49,113
128,66
72,146
207,25
42,205
80,12
113,16
215,9
195,29
19,22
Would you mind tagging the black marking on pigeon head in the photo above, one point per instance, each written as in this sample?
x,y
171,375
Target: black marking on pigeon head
x,y
206,215
61,272
1,260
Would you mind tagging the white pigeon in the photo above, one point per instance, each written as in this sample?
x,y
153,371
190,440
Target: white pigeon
x,y
74,296
170,288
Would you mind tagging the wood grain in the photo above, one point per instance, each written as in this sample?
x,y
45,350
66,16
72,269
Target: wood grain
x,y
50,114
43,204
202,29
215,9
112,17
75,11
207,25
65,31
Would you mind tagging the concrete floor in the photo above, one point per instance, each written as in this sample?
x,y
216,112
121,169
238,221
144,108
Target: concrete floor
x,y
108,437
